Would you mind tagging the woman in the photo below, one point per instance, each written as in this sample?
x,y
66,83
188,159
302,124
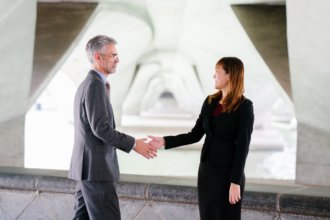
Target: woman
x,y
227,120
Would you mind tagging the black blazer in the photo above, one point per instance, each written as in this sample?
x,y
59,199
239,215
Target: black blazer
x,y
227,137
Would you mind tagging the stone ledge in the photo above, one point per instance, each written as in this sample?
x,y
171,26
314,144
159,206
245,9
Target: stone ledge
x,y
132,190
260,200
292,199
186,194
315,206
17,181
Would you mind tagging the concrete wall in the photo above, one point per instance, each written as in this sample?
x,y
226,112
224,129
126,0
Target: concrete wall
x,y
266,27
309,55
17,23
294,37
34,37
12,142
46,194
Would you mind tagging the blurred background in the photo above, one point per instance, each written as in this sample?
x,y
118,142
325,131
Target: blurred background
x,y
168,51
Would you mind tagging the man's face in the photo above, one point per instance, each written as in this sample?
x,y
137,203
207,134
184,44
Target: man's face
x,y
108,59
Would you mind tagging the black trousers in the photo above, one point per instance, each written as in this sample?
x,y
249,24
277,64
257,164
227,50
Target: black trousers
x,y
213,193
96,200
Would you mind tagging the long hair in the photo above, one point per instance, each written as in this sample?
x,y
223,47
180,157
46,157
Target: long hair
x,y
235,68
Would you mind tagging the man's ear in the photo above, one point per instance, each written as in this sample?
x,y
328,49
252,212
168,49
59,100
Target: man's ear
x,y
96,57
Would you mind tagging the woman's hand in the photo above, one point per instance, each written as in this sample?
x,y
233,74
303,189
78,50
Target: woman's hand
x,y
234,193
156,142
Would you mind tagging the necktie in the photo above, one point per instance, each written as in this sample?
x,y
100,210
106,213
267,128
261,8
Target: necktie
x,y
107,87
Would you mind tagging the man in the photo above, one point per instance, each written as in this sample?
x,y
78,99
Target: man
x,y
94,160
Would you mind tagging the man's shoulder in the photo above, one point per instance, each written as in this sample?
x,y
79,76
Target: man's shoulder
x,y
89,84
92,75
92,79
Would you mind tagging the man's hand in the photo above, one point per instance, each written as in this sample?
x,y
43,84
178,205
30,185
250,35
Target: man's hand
x,y
145,149
156,142
234,193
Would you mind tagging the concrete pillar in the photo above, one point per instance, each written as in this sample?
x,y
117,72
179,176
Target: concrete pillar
x,y
12,142
57,27
309,56
266,27
17,25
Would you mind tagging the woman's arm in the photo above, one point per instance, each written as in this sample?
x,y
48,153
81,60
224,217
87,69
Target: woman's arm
x,y
245,128
193,136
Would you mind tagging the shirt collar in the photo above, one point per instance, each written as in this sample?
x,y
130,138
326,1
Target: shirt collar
x,y
102,76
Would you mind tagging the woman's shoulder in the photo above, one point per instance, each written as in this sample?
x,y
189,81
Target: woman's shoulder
x,y
246,104
213,98
246,101
208,102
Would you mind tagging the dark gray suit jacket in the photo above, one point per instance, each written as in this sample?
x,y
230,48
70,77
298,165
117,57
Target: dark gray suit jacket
x,y
94,156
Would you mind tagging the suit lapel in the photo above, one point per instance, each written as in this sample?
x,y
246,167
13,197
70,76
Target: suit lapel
x,y
209,112
94,76
207,125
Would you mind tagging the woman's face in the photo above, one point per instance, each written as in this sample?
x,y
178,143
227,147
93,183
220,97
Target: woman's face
x,y
221,78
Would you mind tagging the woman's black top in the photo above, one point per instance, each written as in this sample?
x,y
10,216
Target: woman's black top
x,y
227,138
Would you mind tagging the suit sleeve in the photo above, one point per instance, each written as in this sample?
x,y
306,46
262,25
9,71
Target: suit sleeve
x,y
98,118
193,136
245,128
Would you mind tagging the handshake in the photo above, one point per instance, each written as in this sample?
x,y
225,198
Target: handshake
x,y
148,147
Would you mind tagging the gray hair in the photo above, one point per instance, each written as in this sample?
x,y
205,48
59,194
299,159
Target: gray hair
x,y
97,44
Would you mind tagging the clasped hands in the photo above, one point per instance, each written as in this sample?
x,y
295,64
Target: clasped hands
x,y
148,147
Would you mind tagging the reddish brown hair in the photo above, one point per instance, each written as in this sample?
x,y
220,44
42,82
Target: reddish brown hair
x,y
235,68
